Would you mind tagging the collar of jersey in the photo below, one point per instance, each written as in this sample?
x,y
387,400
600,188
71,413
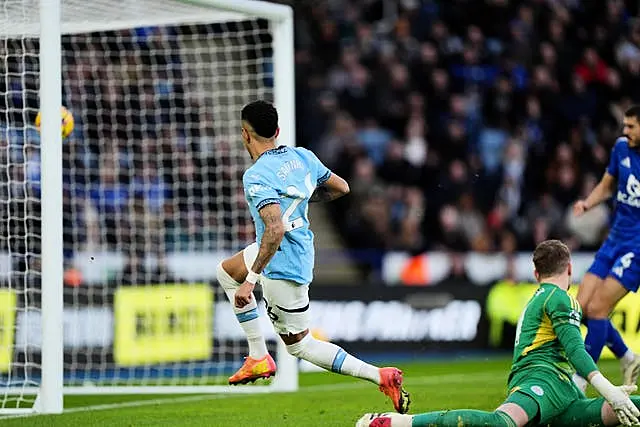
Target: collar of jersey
x,y
549,284
278,150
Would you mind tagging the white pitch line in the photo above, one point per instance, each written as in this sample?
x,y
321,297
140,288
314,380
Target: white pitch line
x,y
414,381
148,402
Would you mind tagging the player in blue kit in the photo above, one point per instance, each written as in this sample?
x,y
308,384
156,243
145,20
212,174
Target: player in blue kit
x,y
279,187
616,268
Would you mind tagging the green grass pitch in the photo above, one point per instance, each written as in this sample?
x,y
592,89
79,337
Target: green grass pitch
x,y
324,400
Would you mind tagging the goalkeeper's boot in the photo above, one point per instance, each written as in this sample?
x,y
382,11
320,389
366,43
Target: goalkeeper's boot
x,y
385,420
630,370
391,385
253,369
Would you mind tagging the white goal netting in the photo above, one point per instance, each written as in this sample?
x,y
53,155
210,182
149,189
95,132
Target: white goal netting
x,y
152,189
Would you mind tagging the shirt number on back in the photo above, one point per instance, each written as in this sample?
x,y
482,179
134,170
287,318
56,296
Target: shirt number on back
x,y
298,196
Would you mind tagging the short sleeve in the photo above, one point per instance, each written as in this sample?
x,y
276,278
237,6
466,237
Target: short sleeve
x,y
258,193
612,168
563,309
323,173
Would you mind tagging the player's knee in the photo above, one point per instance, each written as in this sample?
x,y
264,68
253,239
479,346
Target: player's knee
x,y
607,414
597,308
297,343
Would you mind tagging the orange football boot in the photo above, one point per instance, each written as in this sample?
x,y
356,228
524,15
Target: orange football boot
x,y
391,385
253,369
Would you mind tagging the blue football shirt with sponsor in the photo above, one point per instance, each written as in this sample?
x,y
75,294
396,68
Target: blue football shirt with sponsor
x,y
624,165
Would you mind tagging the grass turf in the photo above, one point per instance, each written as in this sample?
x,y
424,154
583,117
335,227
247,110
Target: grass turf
x,y
324,399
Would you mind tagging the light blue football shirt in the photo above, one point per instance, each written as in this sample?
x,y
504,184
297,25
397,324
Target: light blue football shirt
x,y
287,176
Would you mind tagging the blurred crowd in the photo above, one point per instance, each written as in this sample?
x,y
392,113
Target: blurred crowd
x,y
460,125
466,125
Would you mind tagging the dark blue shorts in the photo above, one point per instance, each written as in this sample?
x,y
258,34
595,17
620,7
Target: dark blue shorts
x,y
621,262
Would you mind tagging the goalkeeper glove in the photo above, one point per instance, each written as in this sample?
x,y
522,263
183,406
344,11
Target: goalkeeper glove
x,y
628,389
618,398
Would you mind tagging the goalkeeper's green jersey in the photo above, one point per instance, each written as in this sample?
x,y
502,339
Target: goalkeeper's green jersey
x,y
548,335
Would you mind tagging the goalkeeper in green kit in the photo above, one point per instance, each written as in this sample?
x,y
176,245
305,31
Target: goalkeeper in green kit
x,y
548,347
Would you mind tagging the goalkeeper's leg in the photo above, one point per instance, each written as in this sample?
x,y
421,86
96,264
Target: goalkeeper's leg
x,y
455,418
581,413
288,307
515,413
231,273
589,413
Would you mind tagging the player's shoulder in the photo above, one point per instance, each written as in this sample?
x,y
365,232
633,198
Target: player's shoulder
x,y
310,158
622,143
559,299
572,301
304,153
255,173
250,172
563,306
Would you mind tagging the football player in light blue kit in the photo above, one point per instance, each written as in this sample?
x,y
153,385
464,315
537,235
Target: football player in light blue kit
x,y
616,268
278,188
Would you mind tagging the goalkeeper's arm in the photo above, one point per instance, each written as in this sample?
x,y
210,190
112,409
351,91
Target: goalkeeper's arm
x,y
334,188
570,338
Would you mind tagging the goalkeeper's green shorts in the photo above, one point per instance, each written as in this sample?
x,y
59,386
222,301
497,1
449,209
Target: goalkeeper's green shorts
x,y
552,391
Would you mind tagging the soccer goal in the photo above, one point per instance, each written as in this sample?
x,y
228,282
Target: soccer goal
x,y
109,238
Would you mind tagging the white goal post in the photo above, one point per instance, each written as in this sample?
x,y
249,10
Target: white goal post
x,y
76,348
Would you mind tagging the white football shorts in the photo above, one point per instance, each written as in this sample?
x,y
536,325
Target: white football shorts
x,y
287,302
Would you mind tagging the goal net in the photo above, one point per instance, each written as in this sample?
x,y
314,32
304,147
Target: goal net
x,y
152,190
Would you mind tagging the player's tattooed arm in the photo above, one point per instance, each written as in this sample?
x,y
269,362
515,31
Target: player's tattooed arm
x,y
273,234
334,188
323,194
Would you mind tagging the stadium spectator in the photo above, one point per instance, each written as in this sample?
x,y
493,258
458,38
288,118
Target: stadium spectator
x,y
460,125
500,113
